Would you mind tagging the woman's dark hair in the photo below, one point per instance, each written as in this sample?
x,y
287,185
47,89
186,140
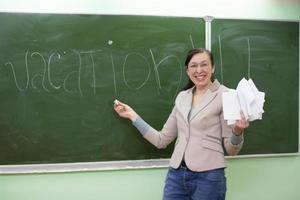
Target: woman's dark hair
x,y
189,56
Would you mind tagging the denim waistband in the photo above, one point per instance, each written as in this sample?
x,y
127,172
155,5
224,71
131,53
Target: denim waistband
x,y
184,166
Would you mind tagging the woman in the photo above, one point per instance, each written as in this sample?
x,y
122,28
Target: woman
x,y
197,163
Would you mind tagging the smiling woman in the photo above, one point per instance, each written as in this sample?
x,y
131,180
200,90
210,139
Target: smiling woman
x,y
198,125
200,68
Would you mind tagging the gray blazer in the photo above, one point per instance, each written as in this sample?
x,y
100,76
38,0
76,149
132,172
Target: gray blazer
x,y
199,139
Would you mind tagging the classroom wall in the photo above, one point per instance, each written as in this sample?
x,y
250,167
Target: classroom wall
x,y
273,178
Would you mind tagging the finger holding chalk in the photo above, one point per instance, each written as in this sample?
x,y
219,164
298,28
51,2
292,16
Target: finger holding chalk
x,y
118,105
116,102
124,110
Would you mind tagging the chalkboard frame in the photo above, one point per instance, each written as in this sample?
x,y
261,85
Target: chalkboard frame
x,y
111,165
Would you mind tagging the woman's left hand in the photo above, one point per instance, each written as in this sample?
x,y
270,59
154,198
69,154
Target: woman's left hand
x,y
240,125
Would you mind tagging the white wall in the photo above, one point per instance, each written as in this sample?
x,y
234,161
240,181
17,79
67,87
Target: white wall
x,y
243,9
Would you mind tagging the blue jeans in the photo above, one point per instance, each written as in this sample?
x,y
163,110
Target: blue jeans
x,y
183,184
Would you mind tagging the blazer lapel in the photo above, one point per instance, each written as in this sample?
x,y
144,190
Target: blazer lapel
x,y
184,104
207,98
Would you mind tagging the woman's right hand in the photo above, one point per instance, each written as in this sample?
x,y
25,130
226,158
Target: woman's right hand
x,y
125,111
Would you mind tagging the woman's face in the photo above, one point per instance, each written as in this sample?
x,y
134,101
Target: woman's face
x,y
200,70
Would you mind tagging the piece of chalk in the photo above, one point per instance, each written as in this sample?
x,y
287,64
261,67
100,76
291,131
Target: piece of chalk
x,y
116,102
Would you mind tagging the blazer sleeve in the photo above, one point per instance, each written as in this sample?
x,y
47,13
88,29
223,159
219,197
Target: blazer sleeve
x,y
169,132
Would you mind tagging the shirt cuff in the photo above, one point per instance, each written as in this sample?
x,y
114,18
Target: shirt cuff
x,y
236,140
141,125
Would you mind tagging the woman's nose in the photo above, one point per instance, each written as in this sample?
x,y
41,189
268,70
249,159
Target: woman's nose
x,y
198,68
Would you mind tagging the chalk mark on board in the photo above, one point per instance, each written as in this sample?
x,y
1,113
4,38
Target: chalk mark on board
x,y
114,73
49,76
45,70
179,64
93,66
191,39
249,58
79,71
94,74
156,66
15,79
155,71
65,80
124,65
14,73
221,59
32,81
110,42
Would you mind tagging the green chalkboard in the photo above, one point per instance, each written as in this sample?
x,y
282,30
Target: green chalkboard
x,y
267,52
59,76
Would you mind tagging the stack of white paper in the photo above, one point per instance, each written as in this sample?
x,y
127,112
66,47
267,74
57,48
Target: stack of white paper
x,y
246,98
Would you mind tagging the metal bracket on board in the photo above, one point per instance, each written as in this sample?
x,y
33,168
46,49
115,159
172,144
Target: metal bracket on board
x,y
208,20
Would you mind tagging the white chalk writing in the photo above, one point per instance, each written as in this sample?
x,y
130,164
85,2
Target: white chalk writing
x,y
44,78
